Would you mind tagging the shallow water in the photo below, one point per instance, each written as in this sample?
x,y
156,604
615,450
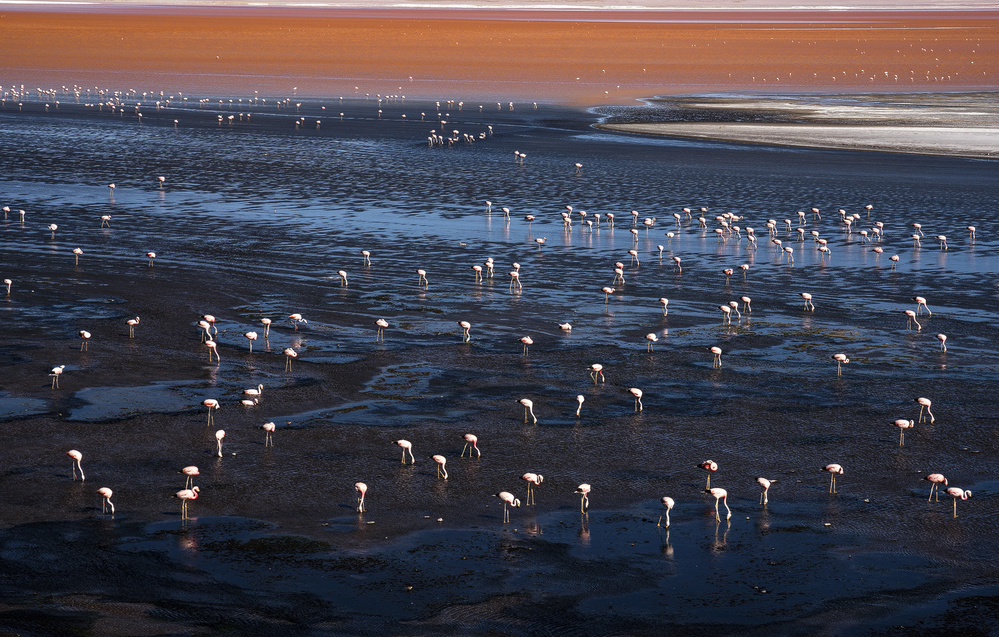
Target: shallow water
x,y
255,220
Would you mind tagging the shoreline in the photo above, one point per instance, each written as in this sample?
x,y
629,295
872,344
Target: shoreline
x,y
942,124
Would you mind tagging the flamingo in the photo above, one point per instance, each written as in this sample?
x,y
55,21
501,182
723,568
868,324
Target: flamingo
x,y
406,446
508,501
471,443
902,425
8,283
717,362
834,470
809,306
208,318
53,227
528,408
289,353
841,360
361,489
268,428
726,314
85,338
540,241
925,403
676,260
151,256
765,493
343,278
441,469
213,349
921,304
943,342
55,374
721,495
211,403
185,496
910,318
607,292
667,507
465,327
637,393
579,399
971,232
584,501
366,257
131,326
251,336
747,304
710,466
161,179
76,457
106,493
935,479
77,252
565,327
664,302
533,480
527,341
423,279
597,371
477,269
380,334
958,494
190,472
206,330
894,261
296,319
266,322
219,435
943,246
651,338
254,392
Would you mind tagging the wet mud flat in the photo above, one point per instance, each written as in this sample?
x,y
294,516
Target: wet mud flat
x,y
255,220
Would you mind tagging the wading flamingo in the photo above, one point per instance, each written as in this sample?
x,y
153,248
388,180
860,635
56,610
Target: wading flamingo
x,y
533,480
667,507
407,446
508,501
76,458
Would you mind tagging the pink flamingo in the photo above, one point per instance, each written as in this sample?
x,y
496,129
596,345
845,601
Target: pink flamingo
x,y
935,480
190,472
85,338
721,495
106,493
841,360
637,393
361,489
667,507
266,322
55,374
508,501
296,319
289,354
219,435
910,318
406,446
528,408
717,362
185,496
958,494
213,349
834,470
710,466
651,338
943,342
925,403
382,324
533,480
269,428
77,457
152,257
441,469
921,305
579,399
664,302
465,327
422,281
77,252
131,326
809,306
765,492
527,341
251,336
211,403
584,492
597,371
902,425
471,443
